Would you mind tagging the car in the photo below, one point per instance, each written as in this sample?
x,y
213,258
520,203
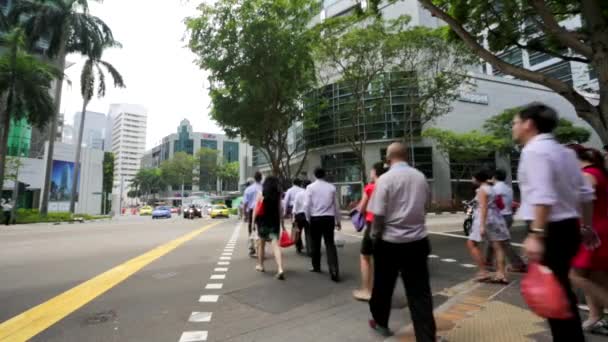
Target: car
x,y
146,210
192,212
161,212
219,210
175,210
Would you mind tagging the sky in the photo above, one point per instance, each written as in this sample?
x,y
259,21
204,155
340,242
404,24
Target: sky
x,y
157,68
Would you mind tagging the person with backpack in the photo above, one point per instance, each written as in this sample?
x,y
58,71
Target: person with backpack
x,y
489,225
504,202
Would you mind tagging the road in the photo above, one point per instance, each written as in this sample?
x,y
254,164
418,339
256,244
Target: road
x,y
135,279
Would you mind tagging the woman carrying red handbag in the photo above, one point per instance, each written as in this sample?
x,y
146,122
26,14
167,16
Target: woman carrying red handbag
x,y
268,216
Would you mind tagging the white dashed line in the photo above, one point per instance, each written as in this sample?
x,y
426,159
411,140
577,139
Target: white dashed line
x,y
209,299
193,336
220,269
448,260
200,317
468,265
218,277
433,256
214,286
225,258
227,254
223,263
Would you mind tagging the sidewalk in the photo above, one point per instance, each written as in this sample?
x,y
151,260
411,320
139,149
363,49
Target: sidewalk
x,y
486,312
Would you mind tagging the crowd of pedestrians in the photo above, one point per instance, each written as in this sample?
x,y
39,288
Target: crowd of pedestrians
x,y
564,202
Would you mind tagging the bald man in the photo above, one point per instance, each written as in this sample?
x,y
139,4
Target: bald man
x,y
401,245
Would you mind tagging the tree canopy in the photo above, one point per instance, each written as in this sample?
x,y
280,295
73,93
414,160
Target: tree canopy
x,y
538,27
258,55
178,170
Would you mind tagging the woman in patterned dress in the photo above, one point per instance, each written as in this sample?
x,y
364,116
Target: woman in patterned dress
x,y
488,224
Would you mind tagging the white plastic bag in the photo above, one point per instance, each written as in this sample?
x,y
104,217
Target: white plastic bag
x,y
339,240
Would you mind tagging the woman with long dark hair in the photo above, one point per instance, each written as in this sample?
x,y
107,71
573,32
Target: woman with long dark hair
x,y
590,266
489,225
270,222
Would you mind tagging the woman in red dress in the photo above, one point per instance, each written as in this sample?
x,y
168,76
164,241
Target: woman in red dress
x,y
590,266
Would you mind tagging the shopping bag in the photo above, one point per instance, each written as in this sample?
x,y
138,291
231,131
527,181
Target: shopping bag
x,y
339,240
544,294
285,240
357,219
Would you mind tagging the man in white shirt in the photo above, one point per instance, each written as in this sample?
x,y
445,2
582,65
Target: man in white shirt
x,y
506,194
249,198
553,190
288,203
7,207
301,221
322,208
401,245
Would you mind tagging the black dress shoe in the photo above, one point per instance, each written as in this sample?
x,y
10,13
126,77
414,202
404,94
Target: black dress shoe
x,y
335,277
315,270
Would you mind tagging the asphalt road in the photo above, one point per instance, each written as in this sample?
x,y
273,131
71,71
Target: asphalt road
x,y
141,280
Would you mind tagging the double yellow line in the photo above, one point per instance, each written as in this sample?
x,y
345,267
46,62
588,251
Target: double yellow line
x,y
37,319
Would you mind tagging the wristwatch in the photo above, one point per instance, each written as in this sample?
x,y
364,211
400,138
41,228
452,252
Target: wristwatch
x,y
538,231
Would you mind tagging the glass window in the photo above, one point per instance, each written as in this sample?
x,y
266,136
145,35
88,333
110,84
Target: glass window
x,y
211,144
341,167
184,143
513,56
423,160
464,170
231,151
562,71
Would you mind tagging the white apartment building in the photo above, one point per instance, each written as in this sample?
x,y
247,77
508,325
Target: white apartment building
x,y
126,132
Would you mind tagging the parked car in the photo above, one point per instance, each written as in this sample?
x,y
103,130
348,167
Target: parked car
x,y
174,210
219,210
146,210
161,212
192,212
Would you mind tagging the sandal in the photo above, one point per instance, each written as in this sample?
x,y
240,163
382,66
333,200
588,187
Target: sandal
x,y
362,295
499,281
280,276
483,278
259,268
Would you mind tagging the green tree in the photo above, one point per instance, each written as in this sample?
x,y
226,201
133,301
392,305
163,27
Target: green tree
x,y
258,55
92,75
463,148
535,26
108,181
148,182
68,27
500,127
25,85
208,168
374,57
228,173
178,170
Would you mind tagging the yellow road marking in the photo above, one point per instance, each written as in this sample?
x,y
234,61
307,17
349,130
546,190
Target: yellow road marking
x,y
37,319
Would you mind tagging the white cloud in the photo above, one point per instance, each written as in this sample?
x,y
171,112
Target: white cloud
x,y
158,69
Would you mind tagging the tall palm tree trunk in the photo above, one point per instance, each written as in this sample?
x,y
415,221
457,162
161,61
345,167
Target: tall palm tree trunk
x,y
44,206
77,159
5,122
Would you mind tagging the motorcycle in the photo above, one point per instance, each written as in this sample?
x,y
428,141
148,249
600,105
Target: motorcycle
x,y
192,212
469,210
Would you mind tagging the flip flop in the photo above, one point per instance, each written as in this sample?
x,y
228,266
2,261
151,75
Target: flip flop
x,y
483,279
499,281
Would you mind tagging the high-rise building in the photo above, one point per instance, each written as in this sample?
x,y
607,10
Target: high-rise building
x,y
19,138
94,130
126,137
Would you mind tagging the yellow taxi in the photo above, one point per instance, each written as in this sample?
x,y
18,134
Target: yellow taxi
x,y
145,210
219,210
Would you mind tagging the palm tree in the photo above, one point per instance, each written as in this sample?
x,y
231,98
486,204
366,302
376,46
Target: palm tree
x,y
69,28
92,70
25,85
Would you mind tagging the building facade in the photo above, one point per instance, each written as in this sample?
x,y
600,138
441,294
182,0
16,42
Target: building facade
x,y
190,142
94,135
487,95
126,136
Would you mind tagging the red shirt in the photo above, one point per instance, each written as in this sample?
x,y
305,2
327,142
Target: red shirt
x,y
369,189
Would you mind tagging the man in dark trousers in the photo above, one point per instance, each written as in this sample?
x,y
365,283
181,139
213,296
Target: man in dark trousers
x,y
553,190
322,208
401,245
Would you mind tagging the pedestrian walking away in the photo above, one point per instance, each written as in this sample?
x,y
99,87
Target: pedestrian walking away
x,y
7,207
401,245
590,266
552,191
504,191
268,215
301,221
322,207
249,200
488,225
288,203
364,293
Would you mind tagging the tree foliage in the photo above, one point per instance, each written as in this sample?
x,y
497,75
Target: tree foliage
x,y
178,170
108,180
537,27
148,182
371,57
500,127
258,55
228,173
207,168
463,147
